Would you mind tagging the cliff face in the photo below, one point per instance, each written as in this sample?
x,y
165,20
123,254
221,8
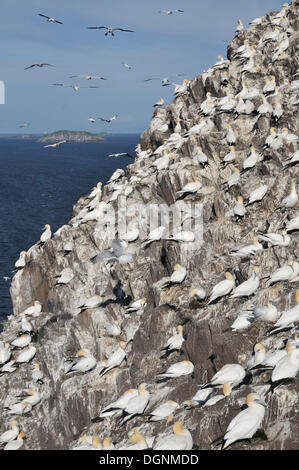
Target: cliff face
x,y
69,402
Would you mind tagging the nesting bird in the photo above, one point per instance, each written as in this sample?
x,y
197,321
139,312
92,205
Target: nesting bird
x,y
174,343
115,359
223,288
180,440
84,362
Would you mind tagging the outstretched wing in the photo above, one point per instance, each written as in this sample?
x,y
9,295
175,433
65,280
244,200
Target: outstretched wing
x,y
44,16
30,66
59,22
126,30
149,79
97,27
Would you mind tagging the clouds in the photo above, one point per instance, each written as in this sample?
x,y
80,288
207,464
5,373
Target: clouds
x,y
161,45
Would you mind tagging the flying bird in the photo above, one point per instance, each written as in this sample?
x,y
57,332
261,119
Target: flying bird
x,y
127,66
38,65
25,124
57,144
170,12
49,19
121,155
112,118
87,77
75,87
110,30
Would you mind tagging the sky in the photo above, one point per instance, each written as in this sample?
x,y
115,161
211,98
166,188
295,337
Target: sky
x,y
161,45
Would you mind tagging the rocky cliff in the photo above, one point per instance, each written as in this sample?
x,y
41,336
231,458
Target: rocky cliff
x,y
70,401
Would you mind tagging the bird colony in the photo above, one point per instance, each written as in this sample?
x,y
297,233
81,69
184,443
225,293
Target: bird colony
x,y
133,343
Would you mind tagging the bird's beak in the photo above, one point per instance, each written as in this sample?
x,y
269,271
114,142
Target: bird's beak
x,y
261,402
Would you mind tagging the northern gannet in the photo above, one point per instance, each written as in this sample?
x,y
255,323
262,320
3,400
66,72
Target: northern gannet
x,y
270,86
257,357
25,324
277,111
18,408
123,154
247,422
200,156
252,159
65,276
230,135
34,310
96,190
21,261
154,235
239,209
110,30
108,444
288,272
138,442
136,305
248,249
57,144
230,156
84,362
30,396
112,118
38,65
257,21
136,404
274,140
177,370
200,397
5,353
9,367
265,313
174,343
289,137
46,235
88,77
159,103
226,391
258,194
117,405
180,440
37,374
26,355
74,87
21,341
113,329
243,321
287,367
92,302
249,287
276,239
163,411
15,444
115,359
170,12
292,160
233,373
119,173
49,19
127,66
198,293
289,317
240,26
221,64
222,288
191,187
291,199
292,224
178,276
11,434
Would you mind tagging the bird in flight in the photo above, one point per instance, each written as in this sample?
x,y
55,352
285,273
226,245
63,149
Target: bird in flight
x,y
112,118
110,30
38,65
170,12
165,80
87,77
49,19
57,144
75,87
127,66
91,119
25,124
120,155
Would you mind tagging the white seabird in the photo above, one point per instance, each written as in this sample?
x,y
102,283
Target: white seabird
x,y
232,373
84,362
5,353
11,434
34,310
159,103
243,321
191,187
257,357
178,276
287,367
198,293
248,249
249,287
265,313
154,235
239,209
92,302
163,411
292,160
8,367
180,440
115,359
57,144
65,276
289,317
46,235
15,444
26,355
230,135
230,156
25,324
176,341
252,159
291,199
138,442
49,19
276,239
21,262
136,404
20,408
222,288
293,224
37,374
21,341
240,26
113,329
226,389
178,369
247,422
117,405
258,194
288,272
110,30
170,12
136,305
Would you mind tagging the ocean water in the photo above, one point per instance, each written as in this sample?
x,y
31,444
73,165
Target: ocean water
x,y
40,186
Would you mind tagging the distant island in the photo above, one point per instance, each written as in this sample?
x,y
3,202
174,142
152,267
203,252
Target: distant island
x,y
72,136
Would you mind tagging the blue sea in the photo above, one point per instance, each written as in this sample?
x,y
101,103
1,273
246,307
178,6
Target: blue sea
x,y
40,185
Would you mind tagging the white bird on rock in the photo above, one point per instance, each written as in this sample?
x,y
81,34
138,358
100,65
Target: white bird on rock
x,y
276,239
291,199
247,422
117,405
21,262
113,329
93,302
46,235
15,444
289,317
265,313
11,434
258,194
26,355
223,288
136,305
115,359
178,369
21,341
257,357
249,287
180,440
136,404
248,249
154,235
287,367
292,224
288,272
163,411
5,352
232,373
84,362
176,341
